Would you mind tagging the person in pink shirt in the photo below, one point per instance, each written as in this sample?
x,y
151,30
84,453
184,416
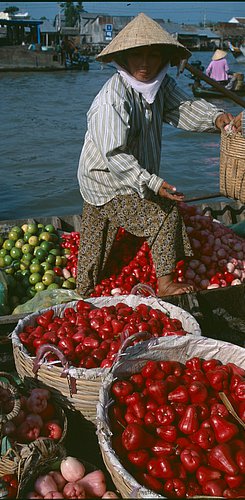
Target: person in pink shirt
x,y
218,68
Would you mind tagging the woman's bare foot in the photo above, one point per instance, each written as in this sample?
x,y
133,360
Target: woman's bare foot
x,y
167,287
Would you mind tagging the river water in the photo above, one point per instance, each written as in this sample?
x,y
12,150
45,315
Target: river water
x,y
42,126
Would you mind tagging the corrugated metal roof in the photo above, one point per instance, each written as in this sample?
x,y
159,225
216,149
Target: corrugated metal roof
x,y
47,27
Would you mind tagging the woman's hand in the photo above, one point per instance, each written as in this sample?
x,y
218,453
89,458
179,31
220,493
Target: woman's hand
x,y
168,191
226,118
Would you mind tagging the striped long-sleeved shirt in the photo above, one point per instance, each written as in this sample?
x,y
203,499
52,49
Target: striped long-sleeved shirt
x,y
122,146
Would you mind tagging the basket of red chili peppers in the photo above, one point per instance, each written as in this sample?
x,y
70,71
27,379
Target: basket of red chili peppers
x,y
28,421
69,348
171,419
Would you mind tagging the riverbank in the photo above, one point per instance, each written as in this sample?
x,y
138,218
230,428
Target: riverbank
x,y
20,58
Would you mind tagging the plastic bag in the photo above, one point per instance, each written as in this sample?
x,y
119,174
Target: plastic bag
x,y
239,228
47,298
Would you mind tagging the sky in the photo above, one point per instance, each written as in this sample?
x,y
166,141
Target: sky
x,y
180,12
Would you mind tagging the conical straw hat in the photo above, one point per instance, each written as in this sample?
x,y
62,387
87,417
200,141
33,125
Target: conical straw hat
x,y
219,54
139,32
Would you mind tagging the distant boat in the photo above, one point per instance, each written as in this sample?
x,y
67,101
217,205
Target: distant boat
x,y
209,92
238,52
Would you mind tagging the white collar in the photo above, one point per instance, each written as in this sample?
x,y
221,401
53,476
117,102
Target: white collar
x,y
147,89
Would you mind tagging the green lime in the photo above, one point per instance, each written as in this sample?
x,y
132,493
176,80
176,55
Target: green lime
x,y
7,260
55,251
26,236
13,235
48,278
50,258
46,266
35,278
2,263
27,248
16,253
19,243
3,252
8,244
36,268
32,228
45,236
53,286
50,228
46,245
40,287
40,253
33,240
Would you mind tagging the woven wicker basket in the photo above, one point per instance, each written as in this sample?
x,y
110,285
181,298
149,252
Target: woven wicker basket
x,y
13,460
44,460
78,388
232,165
167,348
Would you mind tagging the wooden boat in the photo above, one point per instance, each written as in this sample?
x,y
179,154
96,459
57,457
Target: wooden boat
x,y
238,52
209,92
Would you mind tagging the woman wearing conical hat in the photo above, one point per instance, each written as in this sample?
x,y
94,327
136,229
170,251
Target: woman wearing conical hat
x,y
218,68
118,169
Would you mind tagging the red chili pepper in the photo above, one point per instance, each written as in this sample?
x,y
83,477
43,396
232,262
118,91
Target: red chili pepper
x,y
234,481
134,437
222,458
175,488
189,422
223,429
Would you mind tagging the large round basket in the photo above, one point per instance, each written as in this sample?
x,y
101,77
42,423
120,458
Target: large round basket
x,y
13,456
167,348
78,388
232,165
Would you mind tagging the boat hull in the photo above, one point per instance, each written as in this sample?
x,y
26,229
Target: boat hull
x,y
215,94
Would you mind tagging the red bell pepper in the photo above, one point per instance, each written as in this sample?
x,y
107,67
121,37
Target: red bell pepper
x,y
165,415
204,437
179,395
139,458
198,392
167,433
214,487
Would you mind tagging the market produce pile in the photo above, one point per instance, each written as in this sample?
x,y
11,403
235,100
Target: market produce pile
x,y
71,480
35,258
89,336
172,428
36,418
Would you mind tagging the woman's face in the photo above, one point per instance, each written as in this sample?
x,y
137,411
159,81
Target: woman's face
x,y
144,63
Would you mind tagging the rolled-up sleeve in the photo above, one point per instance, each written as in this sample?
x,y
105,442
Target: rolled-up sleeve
x,y
182,112
110,132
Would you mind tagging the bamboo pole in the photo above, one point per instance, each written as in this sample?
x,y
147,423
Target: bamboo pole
x,y
216,85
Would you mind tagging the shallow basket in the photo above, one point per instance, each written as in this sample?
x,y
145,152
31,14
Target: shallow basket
x,y
13,461
166,348
232,165
78,388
